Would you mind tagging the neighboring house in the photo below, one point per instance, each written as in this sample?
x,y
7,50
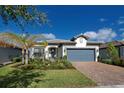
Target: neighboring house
x,y
7,52
119,46
76,49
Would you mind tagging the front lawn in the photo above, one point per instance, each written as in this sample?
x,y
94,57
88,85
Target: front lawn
x,y
16,77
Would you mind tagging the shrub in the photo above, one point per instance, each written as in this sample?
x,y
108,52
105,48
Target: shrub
x,y
107,61
65,57
27,67
36,60
37,63
122,62
113,53
117,62
99,59
16,59
60,65
47,64
67,63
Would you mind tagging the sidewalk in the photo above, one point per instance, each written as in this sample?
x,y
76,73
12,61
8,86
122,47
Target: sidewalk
x,y
111,86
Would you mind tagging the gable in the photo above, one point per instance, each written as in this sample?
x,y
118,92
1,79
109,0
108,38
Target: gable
x,y
81,42
78,36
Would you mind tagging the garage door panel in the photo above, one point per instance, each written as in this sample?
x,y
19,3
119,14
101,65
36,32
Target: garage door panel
x,y
81,55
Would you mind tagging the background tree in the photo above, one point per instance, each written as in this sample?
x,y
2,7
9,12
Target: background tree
x,y
113,53
21,15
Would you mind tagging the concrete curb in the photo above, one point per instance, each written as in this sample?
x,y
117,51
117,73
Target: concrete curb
x,y
111,86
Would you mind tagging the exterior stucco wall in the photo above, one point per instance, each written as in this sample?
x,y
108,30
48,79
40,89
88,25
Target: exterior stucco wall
x,y
81,44
31,52
64,49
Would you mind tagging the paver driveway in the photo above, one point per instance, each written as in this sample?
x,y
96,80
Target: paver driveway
x,y
102,74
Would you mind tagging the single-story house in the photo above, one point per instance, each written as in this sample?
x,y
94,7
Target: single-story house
x,y
77,49
119,46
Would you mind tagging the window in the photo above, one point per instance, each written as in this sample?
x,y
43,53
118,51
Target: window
x,y
38,52
81,40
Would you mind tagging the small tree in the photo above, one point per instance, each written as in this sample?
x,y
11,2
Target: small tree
x,y
113,54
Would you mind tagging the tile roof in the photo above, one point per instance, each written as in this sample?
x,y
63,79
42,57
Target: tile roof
x,y
95,42
60,41
4,44
116,43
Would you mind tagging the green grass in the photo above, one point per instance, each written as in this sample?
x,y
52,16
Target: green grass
x,y
13,77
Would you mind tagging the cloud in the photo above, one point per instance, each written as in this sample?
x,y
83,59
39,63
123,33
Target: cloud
x,y
122,35
121,17
49,36
120,20
91,34
121,29
104,34
102,19
112,24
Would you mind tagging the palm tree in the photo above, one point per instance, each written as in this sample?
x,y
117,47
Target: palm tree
x,y
23,42
4,44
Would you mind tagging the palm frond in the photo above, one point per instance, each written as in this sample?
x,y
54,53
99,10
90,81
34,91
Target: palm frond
x,y
35,37
31,40
12,37
4,44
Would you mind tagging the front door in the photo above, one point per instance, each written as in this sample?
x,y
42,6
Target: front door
x,y
53,52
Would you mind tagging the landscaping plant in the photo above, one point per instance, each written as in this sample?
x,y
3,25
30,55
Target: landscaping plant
x,y
113,53
38,63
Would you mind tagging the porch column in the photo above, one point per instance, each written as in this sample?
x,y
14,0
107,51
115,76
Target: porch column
x,y
46,52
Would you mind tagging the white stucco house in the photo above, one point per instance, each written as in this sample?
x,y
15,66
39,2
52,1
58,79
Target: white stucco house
x,y
79,48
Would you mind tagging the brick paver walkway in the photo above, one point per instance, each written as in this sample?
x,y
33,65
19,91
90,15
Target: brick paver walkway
x,y
102,74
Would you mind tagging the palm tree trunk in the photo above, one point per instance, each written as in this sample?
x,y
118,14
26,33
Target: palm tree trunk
x,y
23,57
26,57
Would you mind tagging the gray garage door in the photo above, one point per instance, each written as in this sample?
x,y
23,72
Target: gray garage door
x,y
6,54
81,55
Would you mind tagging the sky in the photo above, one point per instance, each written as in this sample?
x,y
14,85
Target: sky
x,y
100,23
